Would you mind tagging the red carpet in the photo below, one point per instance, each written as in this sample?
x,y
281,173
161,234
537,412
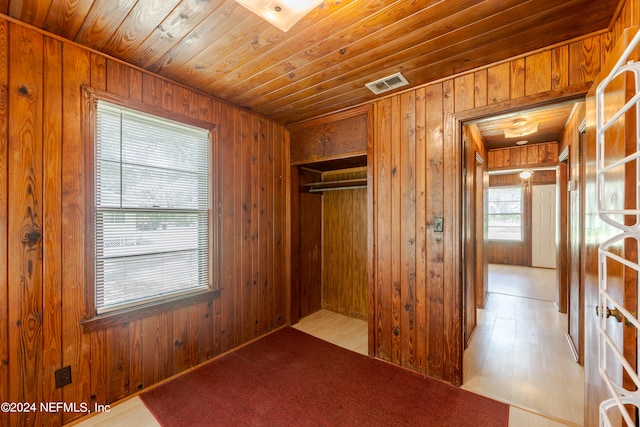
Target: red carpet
x,y
289,378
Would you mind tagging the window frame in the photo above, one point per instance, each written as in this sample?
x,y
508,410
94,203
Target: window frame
x,y
522,216
92,320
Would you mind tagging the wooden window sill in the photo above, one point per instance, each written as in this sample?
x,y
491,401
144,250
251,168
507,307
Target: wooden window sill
x,y
116,318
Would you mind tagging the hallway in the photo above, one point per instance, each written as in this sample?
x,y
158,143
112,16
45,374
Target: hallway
x,y
519,351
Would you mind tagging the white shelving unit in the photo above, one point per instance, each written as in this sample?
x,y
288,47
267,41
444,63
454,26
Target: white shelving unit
x,y
612,210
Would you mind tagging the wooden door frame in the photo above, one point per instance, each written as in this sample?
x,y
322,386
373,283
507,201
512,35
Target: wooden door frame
x,y
456,122
469,283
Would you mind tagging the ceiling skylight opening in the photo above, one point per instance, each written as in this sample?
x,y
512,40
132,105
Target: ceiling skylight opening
x,y
388,83
283,14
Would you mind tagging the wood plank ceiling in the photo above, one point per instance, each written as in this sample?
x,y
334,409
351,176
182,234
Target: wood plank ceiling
x,y
323,62
550,120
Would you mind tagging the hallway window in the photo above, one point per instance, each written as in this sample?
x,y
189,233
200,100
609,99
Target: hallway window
x,y
505,213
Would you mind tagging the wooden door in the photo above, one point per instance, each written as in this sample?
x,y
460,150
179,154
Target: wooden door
x,y
346,137
481,241
562,269
470,262
543,226
338,136
307,144
576,298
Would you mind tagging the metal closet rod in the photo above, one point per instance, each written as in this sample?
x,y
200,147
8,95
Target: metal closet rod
x,y
321,189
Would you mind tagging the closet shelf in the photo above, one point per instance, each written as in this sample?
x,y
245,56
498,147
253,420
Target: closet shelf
x,y
343,184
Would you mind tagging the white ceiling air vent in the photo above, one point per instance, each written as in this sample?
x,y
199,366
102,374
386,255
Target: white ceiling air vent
x,y
387,83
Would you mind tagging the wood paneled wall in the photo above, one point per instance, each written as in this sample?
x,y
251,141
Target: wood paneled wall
x,y
535,155
417,178
306,244
43,222
344,246
540,177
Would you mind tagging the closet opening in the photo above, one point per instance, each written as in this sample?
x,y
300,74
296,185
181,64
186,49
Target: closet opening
x,y
329,238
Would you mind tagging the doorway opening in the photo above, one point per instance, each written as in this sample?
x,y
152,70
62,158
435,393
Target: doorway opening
x,y
516,287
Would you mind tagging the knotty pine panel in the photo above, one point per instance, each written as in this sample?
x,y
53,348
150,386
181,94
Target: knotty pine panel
x,y
157,332
52,216
434,104
76,346
481,88
280,221
205,332
185,337
559,78
344,247
230,231
510,254
43,193
452,208
518,78
407,219
538,72
265,212
307,248
421,210
523,156
382,232
136,366
397,351
498,83
585,60
4,215
25,244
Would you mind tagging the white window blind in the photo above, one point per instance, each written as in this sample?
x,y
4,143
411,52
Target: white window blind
x,y
504,215
152,202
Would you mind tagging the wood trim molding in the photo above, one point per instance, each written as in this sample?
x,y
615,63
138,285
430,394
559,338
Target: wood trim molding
x,y
93,321
331,117
578,91
120,317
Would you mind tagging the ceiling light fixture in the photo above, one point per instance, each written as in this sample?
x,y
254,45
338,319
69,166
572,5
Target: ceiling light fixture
x,y
523,142
281,13
521,128
526,174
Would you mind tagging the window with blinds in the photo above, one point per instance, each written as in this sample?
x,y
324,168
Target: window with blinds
x,y
151,208
504,217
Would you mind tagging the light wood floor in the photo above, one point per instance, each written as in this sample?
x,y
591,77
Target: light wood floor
x,y
517,355
519,352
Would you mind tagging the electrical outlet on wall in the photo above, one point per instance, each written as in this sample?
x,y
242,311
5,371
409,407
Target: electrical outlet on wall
x,y
63,376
